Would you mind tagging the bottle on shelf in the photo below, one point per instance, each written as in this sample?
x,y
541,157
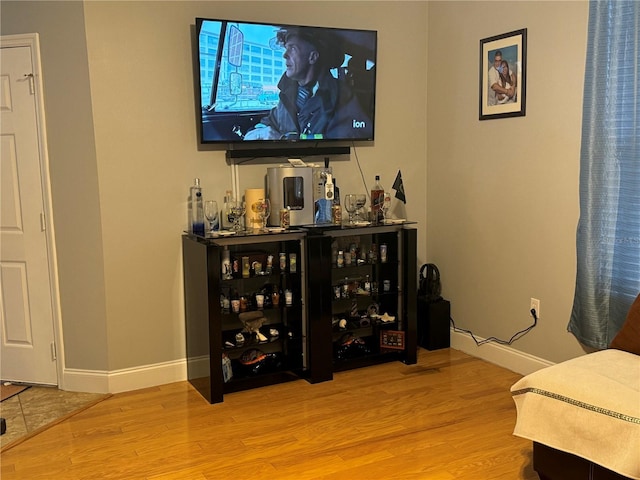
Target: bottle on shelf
x,y
336,208
377,199
225,223
196,209
226,264
324,203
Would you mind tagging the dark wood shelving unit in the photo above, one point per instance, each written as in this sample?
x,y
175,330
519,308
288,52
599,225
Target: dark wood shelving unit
x,y
328,304
311,342
211,326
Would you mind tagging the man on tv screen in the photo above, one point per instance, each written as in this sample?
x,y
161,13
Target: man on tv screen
x,y
312,105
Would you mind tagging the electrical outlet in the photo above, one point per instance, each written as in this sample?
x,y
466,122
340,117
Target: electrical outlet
x,y
535,305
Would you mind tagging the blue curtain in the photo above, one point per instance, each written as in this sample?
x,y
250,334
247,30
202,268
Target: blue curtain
x,y
608,237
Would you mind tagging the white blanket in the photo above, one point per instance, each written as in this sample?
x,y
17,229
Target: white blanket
x,y
588,406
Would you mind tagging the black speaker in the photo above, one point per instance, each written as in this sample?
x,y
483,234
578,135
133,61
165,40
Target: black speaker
x,y
433,324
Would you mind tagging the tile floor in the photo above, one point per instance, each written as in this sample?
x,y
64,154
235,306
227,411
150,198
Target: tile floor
x,y
38,406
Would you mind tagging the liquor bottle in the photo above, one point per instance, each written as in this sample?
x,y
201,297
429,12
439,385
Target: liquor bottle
x,y
196,210
377,199
224,220
336,208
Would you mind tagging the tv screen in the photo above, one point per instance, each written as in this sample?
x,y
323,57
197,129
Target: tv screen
x,y
284,83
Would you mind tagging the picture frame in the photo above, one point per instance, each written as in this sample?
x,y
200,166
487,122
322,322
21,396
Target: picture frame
x,y
392,339
503,95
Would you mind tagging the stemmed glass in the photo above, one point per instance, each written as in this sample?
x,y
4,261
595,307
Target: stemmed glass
x,y
264,210
361,201
350,205
230,212
238,209
212,213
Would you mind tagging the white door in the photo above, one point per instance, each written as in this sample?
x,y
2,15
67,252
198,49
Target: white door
x,y
26,295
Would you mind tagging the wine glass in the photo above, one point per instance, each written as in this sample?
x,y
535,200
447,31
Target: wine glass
x,y
386,205
350,205
264,210
212,214
238,209
230,212
361,201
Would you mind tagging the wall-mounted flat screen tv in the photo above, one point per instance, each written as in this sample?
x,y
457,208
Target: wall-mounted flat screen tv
x,y
284,83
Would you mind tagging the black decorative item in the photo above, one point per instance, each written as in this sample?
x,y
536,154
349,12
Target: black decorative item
x,y
503,75
254,362
350,346
430,287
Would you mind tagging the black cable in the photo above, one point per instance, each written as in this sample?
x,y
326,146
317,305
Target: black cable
x,y
355,152
515,337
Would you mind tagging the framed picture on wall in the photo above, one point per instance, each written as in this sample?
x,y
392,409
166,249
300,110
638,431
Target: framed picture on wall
x,y
503,75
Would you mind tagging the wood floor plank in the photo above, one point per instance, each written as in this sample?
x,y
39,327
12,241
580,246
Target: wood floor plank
x,y
451,416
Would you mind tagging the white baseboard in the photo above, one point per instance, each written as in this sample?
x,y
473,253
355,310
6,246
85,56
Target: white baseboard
x,y
124,380
98,381
501,355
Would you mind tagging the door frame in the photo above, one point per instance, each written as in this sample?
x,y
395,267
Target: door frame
x,y
32,40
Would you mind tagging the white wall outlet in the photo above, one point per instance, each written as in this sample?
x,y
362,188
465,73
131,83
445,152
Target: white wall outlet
x,y
535,305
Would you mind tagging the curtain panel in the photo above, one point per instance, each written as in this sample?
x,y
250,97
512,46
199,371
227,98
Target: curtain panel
x,y
608,235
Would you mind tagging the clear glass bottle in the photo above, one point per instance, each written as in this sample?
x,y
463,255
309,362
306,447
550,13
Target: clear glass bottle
x,y
225,223
196,209
377,199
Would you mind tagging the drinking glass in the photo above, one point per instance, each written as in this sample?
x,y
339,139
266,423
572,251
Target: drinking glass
x,y
264,210
230,212
212,214
238,209
350,205
361,201
386,205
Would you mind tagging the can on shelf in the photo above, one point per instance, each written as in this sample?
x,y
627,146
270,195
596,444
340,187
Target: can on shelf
x,y
288,298
336,214
285,218
383,252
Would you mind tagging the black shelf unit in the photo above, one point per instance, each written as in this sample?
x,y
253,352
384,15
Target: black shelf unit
x,y
212,324
355,289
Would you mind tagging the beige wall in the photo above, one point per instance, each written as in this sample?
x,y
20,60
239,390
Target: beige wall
x,y
73,172
121,241
122,129
502,195
141,72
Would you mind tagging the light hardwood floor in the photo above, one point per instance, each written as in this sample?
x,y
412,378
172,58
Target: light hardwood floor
x,y
451,416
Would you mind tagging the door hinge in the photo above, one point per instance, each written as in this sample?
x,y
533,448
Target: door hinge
x,y
54,353
43,222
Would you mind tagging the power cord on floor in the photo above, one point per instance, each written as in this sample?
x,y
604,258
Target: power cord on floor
x,y
515,337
